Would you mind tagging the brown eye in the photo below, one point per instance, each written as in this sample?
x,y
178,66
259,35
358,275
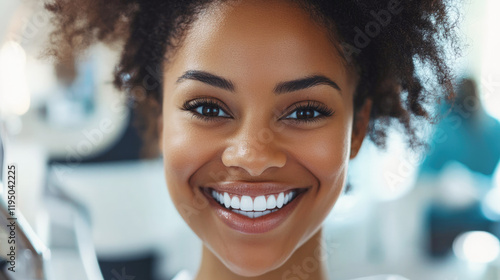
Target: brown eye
x,y
305,114
311,111
206,109
209,111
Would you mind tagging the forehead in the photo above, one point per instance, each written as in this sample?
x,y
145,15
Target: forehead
x,y
260,39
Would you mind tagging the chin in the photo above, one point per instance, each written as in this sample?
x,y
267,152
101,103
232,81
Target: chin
x,y
253,267
252,263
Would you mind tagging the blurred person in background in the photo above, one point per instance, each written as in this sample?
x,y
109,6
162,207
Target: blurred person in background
x,y
467,135
464,154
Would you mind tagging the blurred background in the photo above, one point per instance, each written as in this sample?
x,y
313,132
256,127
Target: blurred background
x,y
90,206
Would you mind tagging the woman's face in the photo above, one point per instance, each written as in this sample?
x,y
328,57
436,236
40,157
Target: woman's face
x,y
257,102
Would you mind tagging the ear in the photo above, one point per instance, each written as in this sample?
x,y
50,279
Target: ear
x,y
360,127
159,127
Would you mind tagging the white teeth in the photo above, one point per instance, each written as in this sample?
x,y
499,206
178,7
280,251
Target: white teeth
x,y
259,203
235,202
246,203
254,214
258,214
280,200
227,200
271,202
244,213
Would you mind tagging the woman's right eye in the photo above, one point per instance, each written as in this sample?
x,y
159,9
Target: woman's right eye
x,y
205,109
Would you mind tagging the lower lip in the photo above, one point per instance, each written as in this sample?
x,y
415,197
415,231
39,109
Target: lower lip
x,y
248,225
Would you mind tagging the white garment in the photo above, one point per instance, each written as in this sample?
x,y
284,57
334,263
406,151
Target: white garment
x,y
186,275
183,275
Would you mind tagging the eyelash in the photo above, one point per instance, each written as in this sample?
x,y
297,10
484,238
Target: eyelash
x,y
194,104
311,105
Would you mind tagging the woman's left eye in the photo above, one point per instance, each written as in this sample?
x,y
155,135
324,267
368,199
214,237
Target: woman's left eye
x,y
312,111
304,114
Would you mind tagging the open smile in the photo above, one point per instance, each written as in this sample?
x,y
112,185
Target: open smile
x,y
248,212
254,207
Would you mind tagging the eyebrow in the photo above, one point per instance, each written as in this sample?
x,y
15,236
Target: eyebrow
x,y
303,83
207,78
281,88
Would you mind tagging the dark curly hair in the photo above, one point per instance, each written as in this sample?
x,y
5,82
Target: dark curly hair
x,y
387,42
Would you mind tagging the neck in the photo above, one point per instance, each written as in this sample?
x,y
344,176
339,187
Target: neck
x,y
307,262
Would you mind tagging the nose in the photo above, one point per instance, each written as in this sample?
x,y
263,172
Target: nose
x,y
255,150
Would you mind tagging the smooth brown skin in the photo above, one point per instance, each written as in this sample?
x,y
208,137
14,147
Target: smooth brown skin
x,y
256,45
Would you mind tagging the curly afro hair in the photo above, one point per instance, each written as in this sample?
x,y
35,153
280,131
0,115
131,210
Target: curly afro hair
x,y
387,42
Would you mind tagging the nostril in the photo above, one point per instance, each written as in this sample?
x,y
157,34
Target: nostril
x,y
255,160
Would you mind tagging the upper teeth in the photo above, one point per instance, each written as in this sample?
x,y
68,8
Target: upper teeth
x,y
259,203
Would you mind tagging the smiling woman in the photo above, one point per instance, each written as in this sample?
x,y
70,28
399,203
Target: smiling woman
x,y
263,104
269,133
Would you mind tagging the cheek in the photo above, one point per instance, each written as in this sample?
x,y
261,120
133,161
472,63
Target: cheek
x,y
326,156
177,154
185,146
325,153
183,154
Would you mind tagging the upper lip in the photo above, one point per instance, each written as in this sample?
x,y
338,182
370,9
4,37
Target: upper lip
x,y
252,188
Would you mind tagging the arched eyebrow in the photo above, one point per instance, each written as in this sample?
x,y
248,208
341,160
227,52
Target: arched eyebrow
x,y
280,88
303,83
207,78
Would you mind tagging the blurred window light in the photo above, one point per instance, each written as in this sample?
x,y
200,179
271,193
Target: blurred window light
x,y
476,247
491,206
458,187
496,177
348,209
490,72
385,175
14,93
